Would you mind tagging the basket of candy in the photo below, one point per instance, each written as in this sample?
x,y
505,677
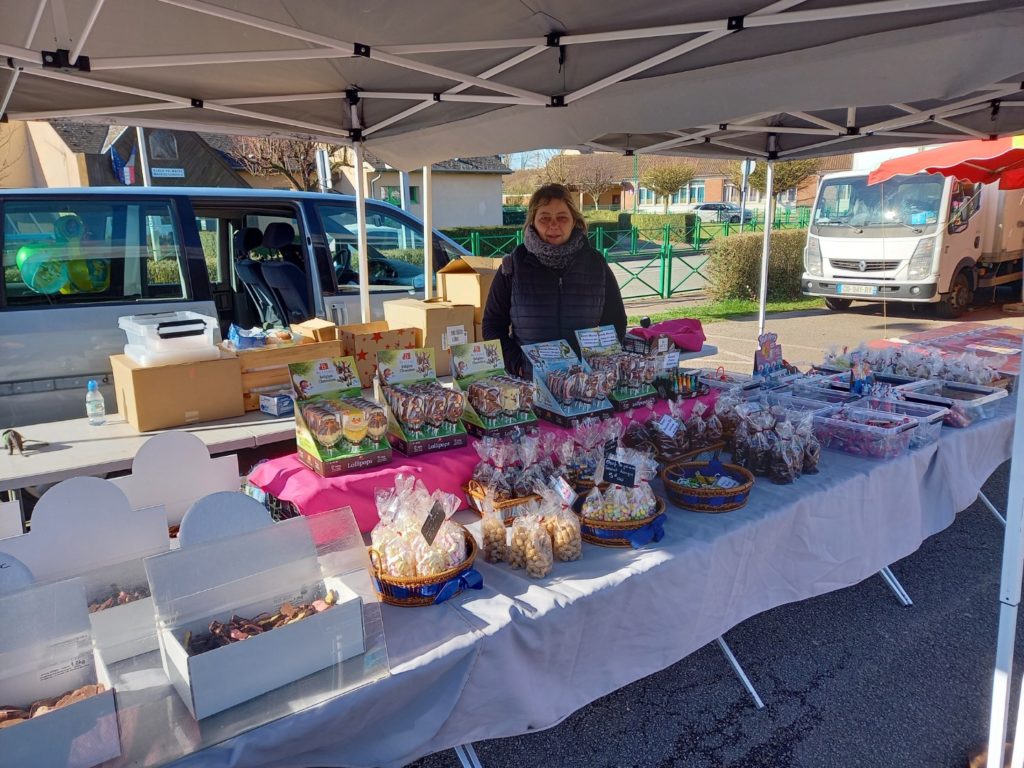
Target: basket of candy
x,y
967,403
508,471
703,486
864,432
415,560
624,513
673,436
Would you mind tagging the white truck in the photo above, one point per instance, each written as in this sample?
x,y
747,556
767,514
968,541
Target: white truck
x,y
922,238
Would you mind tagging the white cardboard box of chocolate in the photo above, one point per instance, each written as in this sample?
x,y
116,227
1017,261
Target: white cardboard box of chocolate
x,y
241,614
56,704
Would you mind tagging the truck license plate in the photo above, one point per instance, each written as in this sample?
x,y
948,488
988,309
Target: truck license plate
x,y
857,290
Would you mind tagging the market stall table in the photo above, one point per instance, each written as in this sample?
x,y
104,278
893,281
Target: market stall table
x,y
520,655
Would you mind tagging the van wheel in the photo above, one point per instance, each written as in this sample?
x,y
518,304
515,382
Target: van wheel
x,y
837,305
955,303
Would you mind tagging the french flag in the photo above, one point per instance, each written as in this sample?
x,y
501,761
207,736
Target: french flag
x,y
124,171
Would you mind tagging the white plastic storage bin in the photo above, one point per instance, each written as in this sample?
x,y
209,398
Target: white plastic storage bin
x,y
967,403
929,417
166,338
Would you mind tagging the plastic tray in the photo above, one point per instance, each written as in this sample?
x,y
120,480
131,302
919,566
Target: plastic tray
x,y
929,417
822,394
855,433
795,402
170,331
713,378
967,403
842,380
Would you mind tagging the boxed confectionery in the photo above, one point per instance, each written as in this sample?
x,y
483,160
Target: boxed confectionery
x,y
165,396
439,325
496,403
71,537
468,281
57,702
422,415
363,341
630,375
266,370
260,582
567,390
337,430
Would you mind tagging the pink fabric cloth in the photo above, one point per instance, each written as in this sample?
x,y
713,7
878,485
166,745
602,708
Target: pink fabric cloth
x,y
686,333
289,480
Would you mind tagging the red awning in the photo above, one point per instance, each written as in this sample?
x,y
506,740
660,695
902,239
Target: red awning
x,y
998,160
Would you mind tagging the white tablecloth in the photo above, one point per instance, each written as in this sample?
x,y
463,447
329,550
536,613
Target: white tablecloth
x,y
522,654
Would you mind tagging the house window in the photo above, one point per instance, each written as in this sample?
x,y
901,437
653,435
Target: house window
x,y
647,196
162,146
695,192
414,194
393,195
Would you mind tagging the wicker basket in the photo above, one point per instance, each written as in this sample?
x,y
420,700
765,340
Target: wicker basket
x,y
591,529
508,507
706,499
419,590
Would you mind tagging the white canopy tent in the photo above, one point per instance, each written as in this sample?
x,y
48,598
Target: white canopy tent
x,y
420,82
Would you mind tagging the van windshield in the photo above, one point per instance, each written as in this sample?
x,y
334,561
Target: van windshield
x,y
902,206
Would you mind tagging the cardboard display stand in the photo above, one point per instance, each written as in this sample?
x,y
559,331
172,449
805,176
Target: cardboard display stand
x,y
551,357
410,368
174,469
85,527
45,652
482,363
219,573
336,429
603,340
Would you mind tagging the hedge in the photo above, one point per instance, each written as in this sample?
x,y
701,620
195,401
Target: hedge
x,y
734,265
458,234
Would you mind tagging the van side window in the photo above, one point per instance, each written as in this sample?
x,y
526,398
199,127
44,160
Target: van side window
x,y
394,246
90,252
964,203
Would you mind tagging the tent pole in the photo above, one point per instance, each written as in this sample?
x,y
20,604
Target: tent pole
x,y
1009,599
428,234
364,260
147,180
766,247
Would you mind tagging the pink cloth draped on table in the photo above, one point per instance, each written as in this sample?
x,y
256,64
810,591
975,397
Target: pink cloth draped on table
x,y
289,480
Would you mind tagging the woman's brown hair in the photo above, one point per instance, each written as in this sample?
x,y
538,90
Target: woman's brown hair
x,y
545,195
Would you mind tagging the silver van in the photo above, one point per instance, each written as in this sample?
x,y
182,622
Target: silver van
x,y
75,260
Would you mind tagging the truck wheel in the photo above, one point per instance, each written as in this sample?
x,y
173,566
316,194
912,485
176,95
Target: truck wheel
x,y
954,303
837,305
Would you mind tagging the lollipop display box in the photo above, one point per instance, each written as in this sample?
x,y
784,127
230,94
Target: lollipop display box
x,y
568,390
496,403
630,375
337,430
423,416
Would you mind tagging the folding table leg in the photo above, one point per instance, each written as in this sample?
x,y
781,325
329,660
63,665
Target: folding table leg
x,y
991,507
739,672
467,756
894,584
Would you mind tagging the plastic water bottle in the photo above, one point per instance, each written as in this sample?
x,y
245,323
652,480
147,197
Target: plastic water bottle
x,y
95,408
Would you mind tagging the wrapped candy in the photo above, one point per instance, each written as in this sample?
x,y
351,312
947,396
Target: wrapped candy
x,y
809,444
493,532
696,429
593,505
714,429
786,457
562,525
531,546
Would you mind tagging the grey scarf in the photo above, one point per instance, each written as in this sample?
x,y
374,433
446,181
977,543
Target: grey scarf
x,y
554,256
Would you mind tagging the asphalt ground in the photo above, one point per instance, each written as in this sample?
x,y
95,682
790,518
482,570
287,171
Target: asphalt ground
x,y
851,679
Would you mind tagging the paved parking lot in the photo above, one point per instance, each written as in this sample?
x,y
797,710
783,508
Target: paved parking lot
x,y
851,679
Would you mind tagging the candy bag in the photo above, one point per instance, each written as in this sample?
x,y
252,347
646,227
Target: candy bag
x,y
493,532
531,547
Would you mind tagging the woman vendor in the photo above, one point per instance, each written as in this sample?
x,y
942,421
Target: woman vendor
x,y
553,284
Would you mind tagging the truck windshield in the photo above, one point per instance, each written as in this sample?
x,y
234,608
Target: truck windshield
x,y
903,206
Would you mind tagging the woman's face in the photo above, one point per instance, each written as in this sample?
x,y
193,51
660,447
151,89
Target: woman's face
x,y
554,222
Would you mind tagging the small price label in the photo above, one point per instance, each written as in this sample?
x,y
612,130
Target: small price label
x,y
433,522
662,344
668,425
564,490
724,481
671,361
611,446
454,334
619,473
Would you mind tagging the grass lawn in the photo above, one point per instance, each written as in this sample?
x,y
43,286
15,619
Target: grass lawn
x,y
731,308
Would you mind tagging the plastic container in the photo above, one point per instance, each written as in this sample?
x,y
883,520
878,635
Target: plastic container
x,y
863,432
722,380
825,395
799,405
842,380
967,403
166,338
929,417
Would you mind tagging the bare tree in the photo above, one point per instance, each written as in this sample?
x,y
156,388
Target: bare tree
x,y
560,169
295,159
596,174
667,179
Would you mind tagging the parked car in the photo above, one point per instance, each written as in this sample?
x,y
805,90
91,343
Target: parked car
x,y
722,212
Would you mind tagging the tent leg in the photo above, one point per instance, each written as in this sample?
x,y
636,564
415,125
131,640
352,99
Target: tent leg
x,y
427,198
467,756
766,244
991,507
364,259
894,584
739,672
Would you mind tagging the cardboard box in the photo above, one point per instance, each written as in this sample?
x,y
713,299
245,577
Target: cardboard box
x,y
362,341
468,281
336,429
439,324
316,329
266,370
216,574
174,395
277,404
